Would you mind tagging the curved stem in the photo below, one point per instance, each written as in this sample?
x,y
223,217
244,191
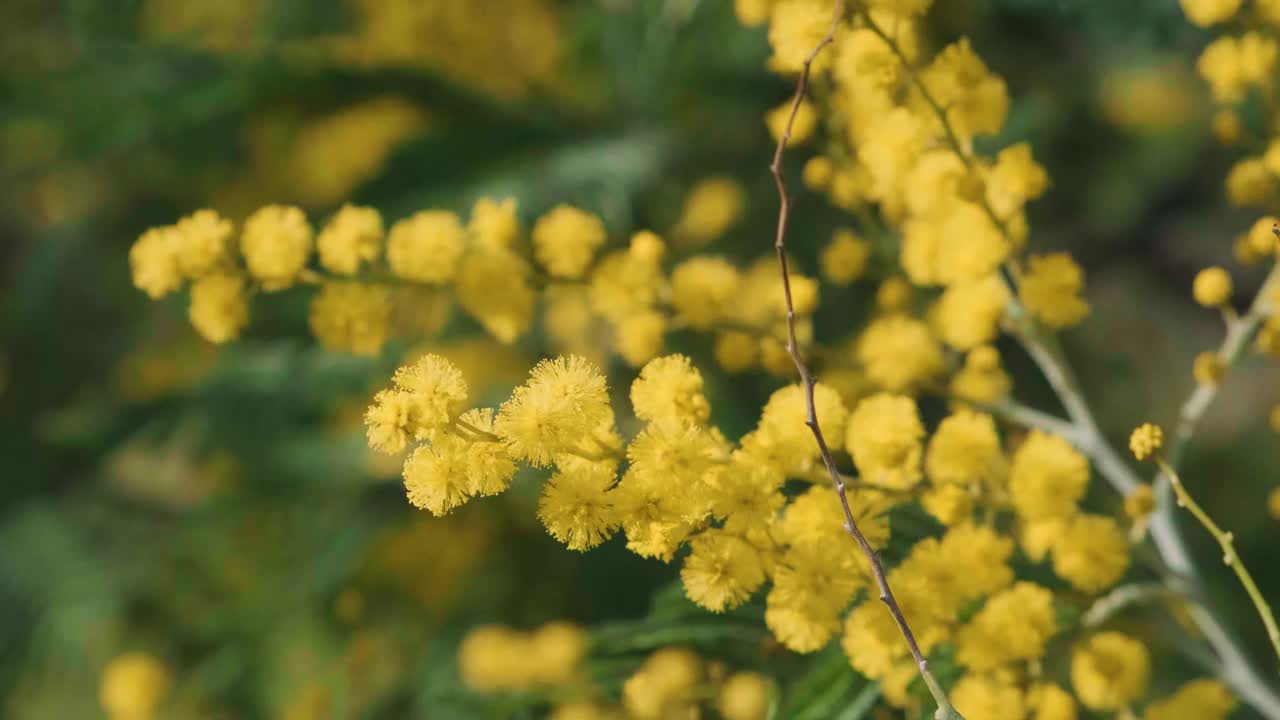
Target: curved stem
x,y
1229,555
945,710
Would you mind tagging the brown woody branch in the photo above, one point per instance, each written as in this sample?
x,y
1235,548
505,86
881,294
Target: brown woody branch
x,y
945,710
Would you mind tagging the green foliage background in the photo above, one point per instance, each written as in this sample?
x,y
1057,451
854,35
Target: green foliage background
x,y
208,508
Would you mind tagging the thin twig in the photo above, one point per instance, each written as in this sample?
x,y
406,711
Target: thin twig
x,y
1229,555
945,710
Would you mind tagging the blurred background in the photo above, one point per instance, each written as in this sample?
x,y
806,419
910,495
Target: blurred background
x,y
219,510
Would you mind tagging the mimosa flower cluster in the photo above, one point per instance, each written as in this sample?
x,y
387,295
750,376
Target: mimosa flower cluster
x,y
672,682
1016,564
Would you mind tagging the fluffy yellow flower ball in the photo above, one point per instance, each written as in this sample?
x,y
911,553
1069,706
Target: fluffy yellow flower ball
x,y
721,571
1210,12
1199,699
1140,503
1092,553
351,238
555,652
988,696
1047,477
494,223
351,317
1262,234
1250,184
1145,440
669,389
1051,290
153,263
565,240
219,307
493,658
1212,287
204,243
883,436
963,450
564,402
968,314
845,258
276,244
506,315
426,247
710,208
576,506
795,28
133,686
1109,671
1208,368
704,291
899,353
664,685
1012,626
744,696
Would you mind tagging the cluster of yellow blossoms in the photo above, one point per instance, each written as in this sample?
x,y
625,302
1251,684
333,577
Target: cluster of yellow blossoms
x,y
671,683
371,280
757,514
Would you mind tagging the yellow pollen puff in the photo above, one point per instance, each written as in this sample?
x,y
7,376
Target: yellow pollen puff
x,y
899,353
845,258
704,290
351,317
744,696
884,437
1109,671
351,238
1208,368
1199,699
721,571
506,315
565,240
968,314
276,244
1145,440
1091,553
426,247
132,686
219,307
1250,184
494,223
752,13
562,405
1262,235
1210,12
894,294
669,389
806,121
818,172
1051,290
1231,65
1212,287
576,506
203,240
711,208
988,696
495,658
153,262
1140,503
1047,477
965,449
1226,127
795,29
